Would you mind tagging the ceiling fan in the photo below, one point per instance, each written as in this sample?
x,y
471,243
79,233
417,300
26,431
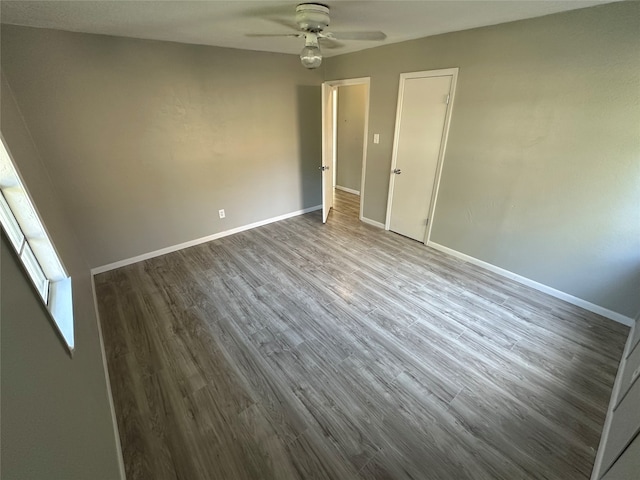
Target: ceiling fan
x,y
312,19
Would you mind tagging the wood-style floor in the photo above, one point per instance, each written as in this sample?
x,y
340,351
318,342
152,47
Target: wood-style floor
x,y
306,351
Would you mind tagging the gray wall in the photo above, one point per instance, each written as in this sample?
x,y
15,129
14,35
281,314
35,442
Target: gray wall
x,y
56,419
147,140
350,135
541,174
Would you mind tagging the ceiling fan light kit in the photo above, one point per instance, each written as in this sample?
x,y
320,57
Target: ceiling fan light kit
x,y
311,56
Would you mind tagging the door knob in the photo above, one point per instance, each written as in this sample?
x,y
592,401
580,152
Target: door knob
x,y
397,171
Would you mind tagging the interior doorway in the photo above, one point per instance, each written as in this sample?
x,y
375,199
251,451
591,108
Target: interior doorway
x,y
345,110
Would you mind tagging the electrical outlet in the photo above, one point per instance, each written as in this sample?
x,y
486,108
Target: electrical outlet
x,y
221,212
376,138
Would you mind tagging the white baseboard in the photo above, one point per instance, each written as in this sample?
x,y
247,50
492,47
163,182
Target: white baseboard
x,y
198,241
114,420
348,190
592,307
368,221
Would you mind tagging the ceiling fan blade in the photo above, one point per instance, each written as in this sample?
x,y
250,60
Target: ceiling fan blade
x,y
285,23
330,43
379,36
293,35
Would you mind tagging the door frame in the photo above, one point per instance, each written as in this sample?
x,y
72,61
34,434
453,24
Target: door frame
x,y
453,72
366,81
328,146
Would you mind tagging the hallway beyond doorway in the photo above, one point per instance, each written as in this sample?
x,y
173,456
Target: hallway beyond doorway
x,y
347,204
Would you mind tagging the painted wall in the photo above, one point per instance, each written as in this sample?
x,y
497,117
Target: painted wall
x,y
56,417
541,175
350,136
147,140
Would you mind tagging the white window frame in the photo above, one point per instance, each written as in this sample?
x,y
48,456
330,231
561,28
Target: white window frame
x,y
29,237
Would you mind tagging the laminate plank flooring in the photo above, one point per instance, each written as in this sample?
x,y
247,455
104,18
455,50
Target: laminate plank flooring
x,y
306,351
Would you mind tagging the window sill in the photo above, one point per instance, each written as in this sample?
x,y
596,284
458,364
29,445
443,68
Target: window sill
x,y
61,309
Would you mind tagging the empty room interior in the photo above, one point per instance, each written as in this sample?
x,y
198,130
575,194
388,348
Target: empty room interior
x,y
338,240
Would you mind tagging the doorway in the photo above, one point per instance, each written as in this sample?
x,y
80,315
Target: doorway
x,y
345,112
423,115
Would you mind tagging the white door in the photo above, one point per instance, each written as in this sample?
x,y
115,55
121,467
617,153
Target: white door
x,y
423,103
328,150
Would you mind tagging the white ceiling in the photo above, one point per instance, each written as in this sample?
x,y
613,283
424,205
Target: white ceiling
x,y
227,23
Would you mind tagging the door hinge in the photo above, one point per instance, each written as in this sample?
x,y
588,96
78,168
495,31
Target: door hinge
x,y
448,97
427,222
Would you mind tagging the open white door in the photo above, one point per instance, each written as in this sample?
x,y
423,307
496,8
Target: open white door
x,y
328,150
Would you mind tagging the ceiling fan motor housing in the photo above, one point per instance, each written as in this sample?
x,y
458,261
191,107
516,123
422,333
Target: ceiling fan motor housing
x,y
312,17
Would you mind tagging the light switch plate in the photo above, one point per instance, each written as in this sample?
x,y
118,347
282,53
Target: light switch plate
x,y
376,138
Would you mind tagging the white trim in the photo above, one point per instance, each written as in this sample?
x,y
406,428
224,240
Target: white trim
x,y
334,135
61,308
453,73
366,81
443,149
615,392
394,152
365,142
114,420
348,190
592,307
368,221
198,241
327,95
346,82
